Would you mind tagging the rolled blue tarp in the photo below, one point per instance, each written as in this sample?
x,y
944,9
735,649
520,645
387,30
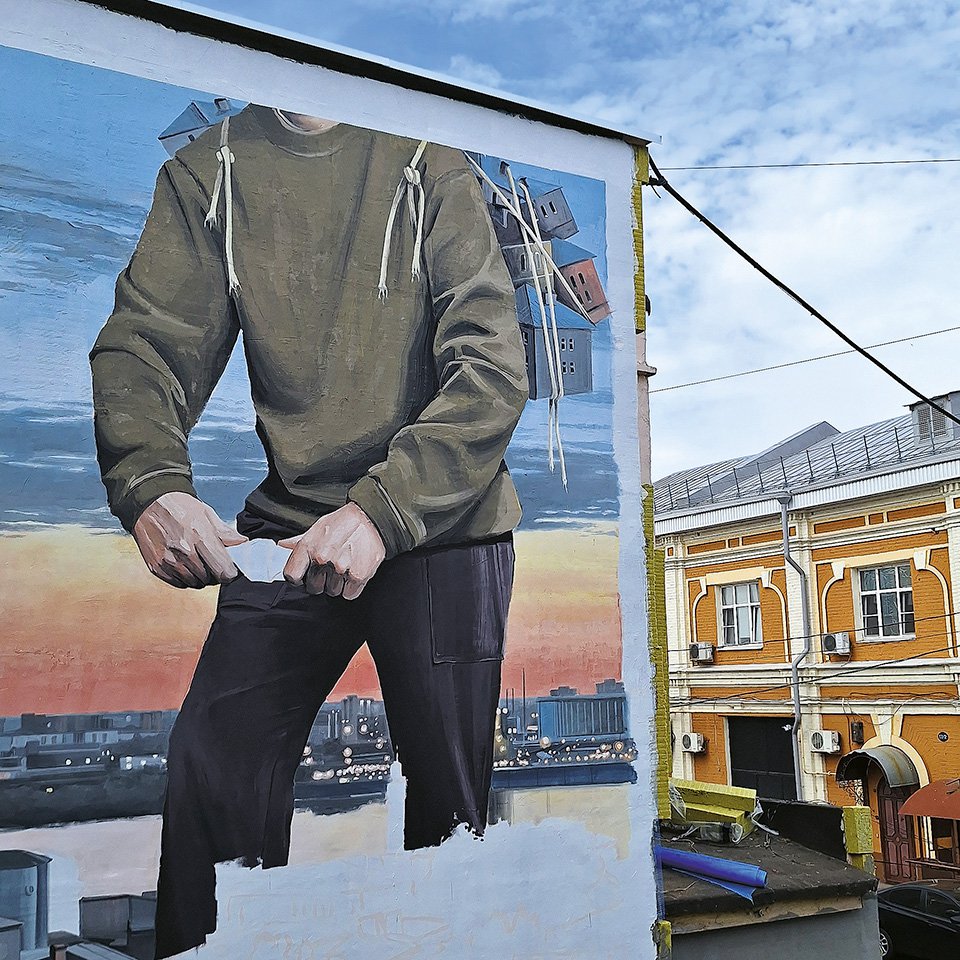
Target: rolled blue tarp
x,y
740,878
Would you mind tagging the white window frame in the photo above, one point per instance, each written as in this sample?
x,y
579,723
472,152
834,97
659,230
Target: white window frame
x,y
899,590
756,626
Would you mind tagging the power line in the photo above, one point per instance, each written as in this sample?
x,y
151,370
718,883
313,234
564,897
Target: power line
x,y
826,163
790,292
797,363
815,636
844,671
751,693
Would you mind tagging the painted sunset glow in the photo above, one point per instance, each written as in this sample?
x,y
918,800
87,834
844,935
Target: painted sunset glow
x,y
86,627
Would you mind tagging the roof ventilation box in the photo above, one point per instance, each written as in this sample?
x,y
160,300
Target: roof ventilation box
x,y
930,425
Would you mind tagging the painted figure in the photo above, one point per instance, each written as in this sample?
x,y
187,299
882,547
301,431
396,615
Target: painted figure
x,y
387,372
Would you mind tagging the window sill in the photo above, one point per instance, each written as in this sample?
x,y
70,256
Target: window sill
x,y
900,639
739,646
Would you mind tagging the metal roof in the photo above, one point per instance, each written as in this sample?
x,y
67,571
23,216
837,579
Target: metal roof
x,y
528,311
200,113
897,767
837,458
204,22
939,799
564,253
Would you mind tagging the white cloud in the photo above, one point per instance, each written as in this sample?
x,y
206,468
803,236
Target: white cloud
x,y
472,71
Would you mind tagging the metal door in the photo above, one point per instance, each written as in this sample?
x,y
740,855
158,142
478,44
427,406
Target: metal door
x,y
761,756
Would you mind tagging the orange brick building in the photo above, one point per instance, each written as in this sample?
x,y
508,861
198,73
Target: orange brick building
x,y
862,703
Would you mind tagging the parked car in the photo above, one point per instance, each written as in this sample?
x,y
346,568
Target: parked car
x,y
920,920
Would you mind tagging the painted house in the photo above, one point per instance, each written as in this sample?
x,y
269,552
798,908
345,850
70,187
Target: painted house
x,y
575,336
580,270
554,217
860,601
198,116
522,261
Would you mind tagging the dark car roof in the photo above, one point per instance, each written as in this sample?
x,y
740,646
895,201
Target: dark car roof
x,y
947,886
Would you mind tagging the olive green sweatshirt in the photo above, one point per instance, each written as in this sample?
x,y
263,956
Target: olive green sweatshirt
x,y
403,405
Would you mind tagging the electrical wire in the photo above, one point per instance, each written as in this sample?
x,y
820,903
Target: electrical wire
x,y
817,636
797,363
790,292
826,163
846,672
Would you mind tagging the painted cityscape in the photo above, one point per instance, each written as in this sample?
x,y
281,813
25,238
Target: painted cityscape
x,y
68,768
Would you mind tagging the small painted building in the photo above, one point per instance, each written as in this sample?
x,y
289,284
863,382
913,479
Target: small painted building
x,y
578,267
198,116
575,340
554,217
872,521
521,262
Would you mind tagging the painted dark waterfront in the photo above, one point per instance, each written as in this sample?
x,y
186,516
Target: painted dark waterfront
x,y
80,767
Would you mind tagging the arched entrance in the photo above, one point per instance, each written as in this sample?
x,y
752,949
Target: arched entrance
x,y
889,777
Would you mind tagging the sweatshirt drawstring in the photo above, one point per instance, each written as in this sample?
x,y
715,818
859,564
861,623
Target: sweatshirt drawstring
x,y
224,183
526,230
551,304
411,187
553,365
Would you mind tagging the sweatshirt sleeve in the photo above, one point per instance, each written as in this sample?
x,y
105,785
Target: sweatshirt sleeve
x,y
438,467
161,352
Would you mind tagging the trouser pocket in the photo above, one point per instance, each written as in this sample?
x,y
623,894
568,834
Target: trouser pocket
x,y
243,594
469,591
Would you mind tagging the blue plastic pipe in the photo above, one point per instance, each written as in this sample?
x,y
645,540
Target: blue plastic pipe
x,y
712,868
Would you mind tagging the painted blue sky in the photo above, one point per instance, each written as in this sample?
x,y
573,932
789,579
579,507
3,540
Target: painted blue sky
x,y
78,161
758,81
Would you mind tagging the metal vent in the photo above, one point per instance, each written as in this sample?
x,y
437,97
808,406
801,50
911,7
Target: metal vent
x,y
931,425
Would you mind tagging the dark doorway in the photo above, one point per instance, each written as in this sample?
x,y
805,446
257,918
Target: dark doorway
x,y
761,755
896,833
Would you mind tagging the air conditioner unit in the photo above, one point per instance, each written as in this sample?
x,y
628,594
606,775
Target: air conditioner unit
x,y
693,743
825,741
701,652
836,642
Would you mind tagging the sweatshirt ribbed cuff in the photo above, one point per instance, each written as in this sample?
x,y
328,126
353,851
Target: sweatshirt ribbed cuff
x,y
372,499
128,510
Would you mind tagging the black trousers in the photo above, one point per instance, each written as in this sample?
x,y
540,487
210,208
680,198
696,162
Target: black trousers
x,y
434,621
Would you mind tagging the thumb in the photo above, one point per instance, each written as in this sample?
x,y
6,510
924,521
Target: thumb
x,y
227,532
290,542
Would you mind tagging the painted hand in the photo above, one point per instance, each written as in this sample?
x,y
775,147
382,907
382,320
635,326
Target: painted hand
x,y
182,541
338,555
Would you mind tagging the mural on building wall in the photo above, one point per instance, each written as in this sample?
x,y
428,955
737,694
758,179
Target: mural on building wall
x,y
362,385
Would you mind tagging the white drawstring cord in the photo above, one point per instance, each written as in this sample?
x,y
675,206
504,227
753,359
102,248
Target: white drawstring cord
x,y
553,330
515,210
224,182
412,186
548,347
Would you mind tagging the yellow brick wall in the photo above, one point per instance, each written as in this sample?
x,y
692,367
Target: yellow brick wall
x,y
841,723
711,765
928,598
942,759
705,615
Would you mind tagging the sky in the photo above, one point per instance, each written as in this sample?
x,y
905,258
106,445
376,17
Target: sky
x,y
754,82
